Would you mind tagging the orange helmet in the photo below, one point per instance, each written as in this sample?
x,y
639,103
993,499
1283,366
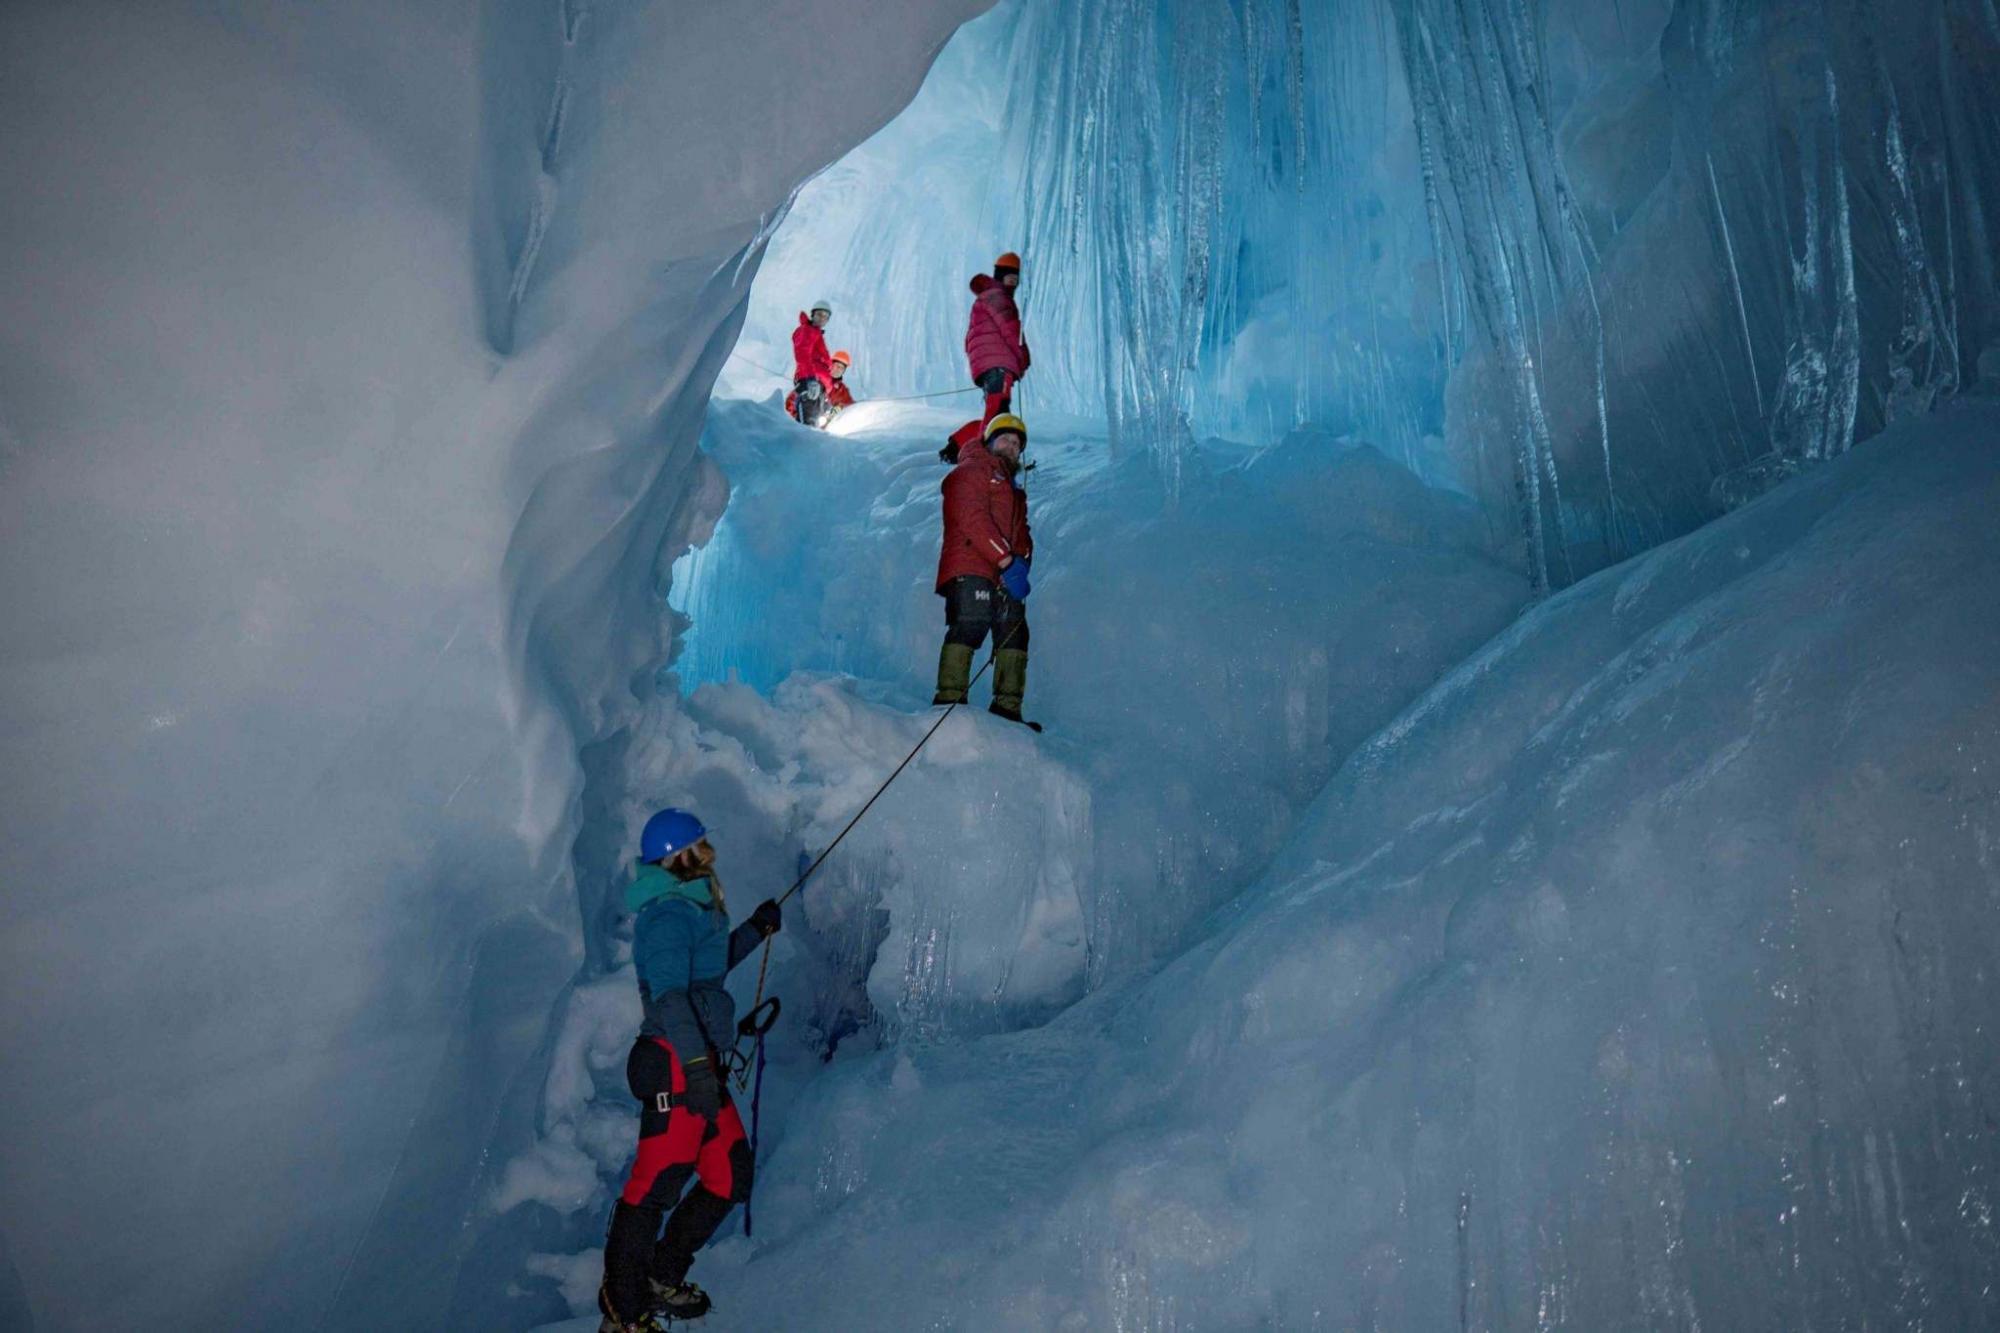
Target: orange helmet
x,y
842,359
1008,260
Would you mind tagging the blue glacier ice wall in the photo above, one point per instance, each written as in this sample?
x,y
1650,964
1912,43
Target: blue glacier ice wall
x,y
317,317
1702,244
1194,711
1220,210
1612,267
352,363
1342,584
1634,974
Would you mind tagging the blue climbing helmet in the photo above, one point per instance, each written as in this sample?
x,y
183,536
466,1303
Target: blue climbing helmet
x,y
667,832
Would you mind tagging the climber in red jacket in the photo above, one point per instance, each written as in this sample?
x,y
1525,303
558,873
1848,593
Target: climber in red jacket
x,y
995,351
838,395
983,569
812,368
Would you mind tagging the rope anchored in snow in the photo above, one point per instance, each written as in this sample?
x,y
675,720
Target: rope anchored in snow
x,y
756,1118
758,1022
745,1029
800,882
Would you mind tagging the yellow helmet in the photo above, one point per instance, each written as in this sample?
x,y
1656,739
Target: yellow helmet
x,y
1007,421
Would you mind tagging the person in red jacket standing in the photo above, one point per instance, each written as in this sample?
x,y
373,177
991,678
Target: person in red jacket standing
x,y
812,368
995,351
838,395
983,568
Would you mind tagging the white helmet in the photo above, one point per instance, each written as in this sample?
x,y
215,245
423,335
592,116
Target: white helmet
x,y
820,305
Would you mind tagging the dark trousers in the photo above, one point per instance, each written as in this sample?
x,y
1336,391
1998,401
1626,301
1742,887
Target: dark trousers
x,y
674,1144
812,402
974,607
998,386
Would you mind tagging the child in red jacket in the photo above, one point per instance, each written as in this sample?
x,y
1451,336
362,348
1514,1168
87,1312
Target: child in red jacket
x,y
838,395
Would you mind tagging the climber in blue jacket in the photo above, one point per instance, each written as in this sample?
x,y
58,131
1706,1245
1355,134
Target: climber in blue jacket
x,y
682,949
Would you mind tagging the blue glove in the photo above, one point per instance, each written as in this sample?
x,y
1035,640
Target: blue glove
x,y
1014,579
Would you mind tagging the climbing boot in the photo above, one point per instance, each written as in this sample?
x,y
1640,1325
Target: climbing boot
x,y
954,674
680,1300
645,1323
615,1323
1010,682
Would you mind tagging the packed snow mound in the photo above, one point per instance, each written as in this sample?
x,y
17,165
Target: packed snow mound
x,y
1639,974
1204,653
953,907
1202,660
958,901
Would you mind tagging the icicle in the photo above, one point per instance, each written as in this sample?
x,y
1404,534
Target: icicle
x,y
1736,283
1925,330
1847,330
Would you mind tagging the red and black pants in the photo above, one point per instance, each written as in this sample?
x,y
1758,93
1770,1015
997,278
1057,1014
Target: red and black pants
x,y
998,386
674,1144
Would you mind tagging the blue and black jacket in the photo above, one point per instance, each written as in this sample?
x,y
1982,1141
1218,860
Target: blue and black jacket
x,y
683,948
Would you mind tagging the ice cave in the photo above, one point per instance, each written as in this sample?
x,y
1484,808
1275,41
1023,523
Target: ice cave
x,y
1513,838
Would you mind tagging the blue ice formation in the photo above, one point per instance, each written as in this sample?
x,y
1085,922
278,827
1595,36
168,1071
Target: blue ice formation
x,y
1514,843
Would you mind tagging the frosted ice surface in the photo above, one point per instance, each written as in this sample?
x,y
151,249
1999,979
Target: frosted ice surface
x,y
1343,955
1006,874
1637,977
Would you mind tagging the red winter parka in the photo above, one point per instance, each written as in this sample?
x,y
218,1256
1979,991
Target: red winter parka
x,y
993,336
985,518
810,359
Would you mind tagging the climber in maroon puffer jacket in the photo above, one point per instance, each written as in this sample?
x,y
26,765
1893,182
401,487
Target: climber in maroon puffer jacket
x,y
995,351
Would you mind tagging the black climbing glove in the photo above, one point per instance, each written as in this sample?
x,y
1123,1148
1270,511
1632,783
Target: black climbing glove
x,y
704,1089
767,918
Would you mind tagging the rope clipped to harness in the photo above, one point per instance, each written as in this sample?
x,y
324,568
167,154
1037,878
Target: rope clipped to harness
x,y
764,1013
756,1118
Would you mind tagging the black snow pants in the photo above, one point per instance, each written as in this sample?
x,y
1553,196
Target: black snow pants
x,y
812,404
973,607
